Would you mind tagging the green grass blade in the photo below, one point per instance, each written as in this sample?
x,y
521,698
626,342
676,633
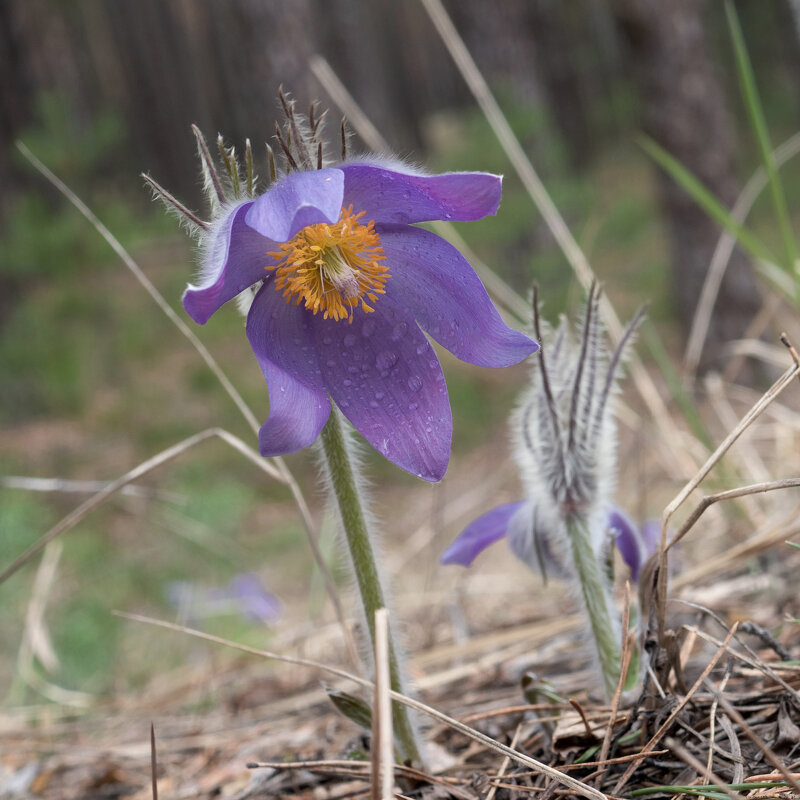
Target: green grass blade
x,y
756,114
703,197
709,790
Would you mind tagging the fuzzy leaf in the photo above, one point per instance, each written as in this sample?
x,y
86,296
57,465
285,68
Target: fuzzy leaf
x,y
354,708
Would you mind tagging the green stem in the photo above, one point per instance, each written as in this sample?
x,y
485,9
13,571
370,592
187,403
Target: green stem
x,y
597,600
345,490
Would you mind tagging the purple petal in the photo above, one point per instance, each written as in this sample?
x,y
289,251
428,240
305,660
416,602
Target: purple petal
x,y
651,537
298,402
536,545
635,545
279,333
257,603
384,375
398,197
235,258
436,283
478,535
297,413
298,200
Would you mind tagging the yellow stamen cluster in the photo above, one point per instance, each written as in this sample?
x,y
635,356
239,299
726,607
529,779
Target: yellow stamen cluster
x,y
332,268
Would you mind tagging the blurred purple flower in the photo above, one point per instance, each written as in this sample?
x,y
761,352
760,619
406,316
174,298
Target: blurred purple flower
x,y
244,594
255,601
635,544
531,543
345,287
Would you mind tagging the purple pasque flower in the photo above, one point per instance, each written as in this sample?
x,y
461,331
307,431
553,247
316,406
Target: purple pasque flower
x,y
345,285
532,542
244,594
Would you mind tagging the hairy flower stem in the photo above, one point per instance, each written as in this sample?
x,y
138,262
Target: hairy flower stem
x,y
597,599
345,489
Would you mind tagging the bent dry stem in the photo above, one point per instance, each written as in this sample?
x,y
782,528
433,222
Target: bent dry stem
x,y
345,489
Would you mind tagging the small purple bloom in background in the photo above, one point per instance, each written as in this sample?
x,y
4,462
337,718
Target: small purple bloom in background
x,y
636,544
244,595
345,285
254,600
517,522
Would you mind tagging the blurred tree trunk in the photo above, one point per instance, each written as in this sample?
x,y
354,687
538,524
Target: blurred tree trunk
x,y
684,110
556,44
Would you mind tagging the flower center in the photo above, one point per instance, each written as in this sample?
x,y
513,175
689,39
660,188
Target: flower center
x,y
332,268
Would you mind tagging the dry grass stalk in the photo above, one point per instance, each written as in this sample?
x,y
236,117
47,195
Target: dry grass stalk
x,y
712,719
752,333
97,499
661,573
36,644
727,560
750,462
277,467
579,787
497,783
137,272
704,772
722,255
790,347
140,471
751,659
730,494
360,770
667,724
628,637
68,486
754,738
382,784
130,477
153,762
555,222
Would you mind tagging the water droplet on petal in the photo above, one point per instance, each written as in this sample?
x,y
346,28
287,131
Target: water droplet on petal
x,y
399,331
330,362
374,404
386,360
421,349
326,340
413,407
349,340
415,383
379,395
347,382
368,327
